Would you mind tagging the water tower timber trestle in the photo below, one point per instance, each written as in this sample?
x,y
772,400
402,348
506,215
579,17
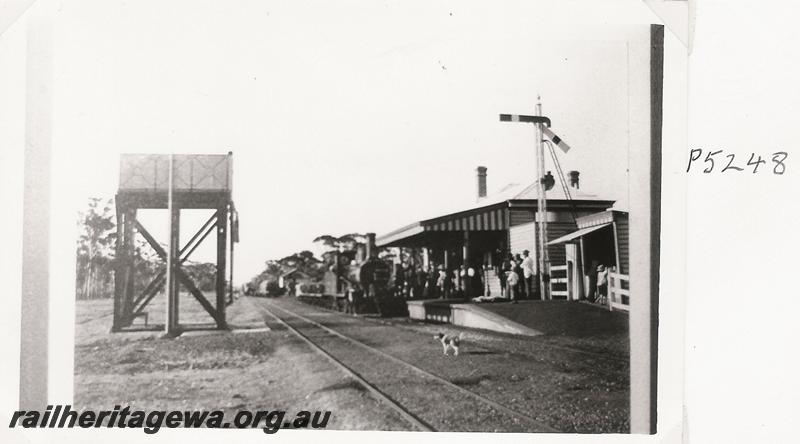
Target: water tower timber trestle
x,y
198,181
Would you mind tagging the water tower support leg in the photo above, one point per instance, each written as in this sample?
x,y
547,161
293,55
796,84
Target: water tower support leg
x,y
173,287
222,225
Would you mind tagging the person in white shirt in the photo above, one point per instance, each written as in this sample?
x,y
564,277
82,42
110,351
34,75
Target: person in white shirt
x,y
441,282
527,273
602,282
512,279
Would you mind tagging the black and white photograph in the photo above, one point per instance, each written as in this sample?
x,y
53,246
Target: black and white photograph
x,y
354,216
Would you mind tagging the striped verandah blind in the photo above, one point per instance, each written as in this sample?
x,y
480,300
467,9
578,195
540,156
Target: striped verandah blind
x,y
481,219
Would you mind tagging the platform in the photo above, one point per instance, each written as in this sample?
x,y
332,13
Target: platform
x,y
465,314
529,318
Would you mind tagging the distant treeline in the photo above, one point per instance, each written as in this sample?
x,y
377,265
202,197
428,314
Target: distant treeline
x,y
305,261
95,264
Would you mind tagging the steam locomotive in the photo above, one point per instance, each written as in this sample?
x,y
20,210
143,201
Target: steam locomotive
x,y
362,284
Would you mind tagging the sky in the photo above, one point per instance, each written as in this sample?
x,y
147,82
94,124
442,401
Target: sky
x,y
349,117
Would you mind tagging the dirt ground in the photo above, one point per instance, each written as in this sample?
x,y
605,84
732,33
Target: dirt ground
x,y
249,369
573,385
581,388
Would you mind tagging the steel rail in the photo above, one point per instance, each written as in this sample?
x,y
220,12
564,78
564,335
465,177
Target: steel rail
x,y
382,397
464,391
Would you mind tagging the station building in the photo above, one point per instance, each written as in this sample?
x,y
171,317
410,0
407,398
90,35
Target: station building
x,y
601,239
294,275
505,222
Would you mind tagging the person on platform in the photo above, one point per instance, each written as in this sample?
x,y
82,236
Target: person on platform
x,y
518,270
431,283
602,283
501,275
419,289
452,283
463,282
399,280
441,282
512,281
527,274
408,288
591,272
471,283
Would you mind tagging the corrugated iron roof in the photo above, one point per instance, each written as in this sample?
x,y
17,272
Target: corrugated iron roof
x,y
480,214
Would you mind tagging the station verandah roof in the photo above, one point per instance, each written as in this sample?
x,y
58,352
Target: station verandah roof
x,y
575,235
447,229
489,214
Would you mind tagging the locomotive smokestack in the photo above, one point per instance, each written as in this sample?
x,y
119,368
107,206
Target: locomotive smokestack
x,y
481,181
574,180
372,250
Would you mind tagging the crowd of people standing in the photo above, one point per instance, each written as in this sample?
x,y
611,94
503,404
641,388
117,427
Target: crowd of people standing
x,y
434,281
516,274
518,279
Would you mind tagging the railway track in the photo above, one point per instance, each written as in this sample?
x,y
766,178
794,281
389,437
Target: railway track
x,y
403,386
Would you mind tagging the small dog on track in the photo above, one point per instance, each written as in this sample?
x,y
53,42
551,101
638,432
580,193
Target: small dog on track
x,y
449,342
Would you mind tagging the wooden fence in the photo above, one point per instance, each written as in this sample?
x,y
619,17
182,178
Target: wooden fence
x,y
618,290
559,282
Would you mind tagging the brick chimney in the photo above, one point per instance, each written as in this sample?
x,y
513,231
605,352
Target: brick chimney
x,y
574,180
481,181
